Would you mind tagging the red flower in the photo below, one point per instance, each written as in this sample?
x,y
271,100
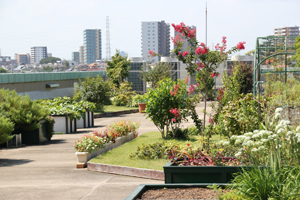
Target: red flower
x,y
211,120
185,53
188,144
240,45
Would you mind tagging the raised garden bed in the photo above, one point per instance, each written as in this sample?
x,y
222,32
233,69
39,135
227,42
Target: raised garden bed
x,y
199,174
174,191
37,136
84,157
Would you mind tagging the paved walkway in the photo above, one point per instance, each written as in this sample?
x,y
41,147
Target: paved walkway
x,y
48,171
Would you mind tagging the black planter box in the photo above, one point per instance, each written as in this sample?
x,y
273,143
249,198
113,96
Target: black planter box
x,y
36,136
200,174
137,193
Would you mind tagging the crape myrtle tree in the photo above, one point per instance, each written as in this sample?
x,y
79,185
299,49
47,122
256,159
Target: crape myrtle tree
x,y
200,60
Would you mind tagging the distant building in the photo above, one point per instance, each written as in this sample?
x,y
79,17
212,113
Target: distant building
x,y
22,58
81,54
136,65
38,53
186,44
92,45
287,31
123,54
75,56
49,54
155,37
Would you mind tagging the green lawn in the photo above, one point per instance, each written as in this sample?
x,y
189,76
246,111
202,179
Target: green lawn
x,y
120,155
112,108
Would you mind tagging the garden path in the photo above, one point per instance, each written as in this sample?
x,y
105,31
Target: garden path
x,y
48,172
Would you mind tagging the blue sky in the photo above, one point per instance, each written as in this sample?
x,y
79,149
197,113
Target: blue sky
x,y
59,24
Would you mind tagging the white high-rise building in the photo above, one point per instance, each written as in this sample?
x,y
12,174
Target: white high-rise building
x,y
38,53
155,37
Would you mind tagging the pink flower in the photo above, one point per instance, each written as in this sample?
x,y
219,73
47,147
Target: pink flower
x,y
186,79
200,65
201,50
179,53
185,53
192,89
211,120
173,119
177,39
152,53
240,45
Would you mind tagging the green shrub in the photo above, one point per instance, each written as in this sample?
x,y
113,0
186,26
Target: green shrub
x,y
122,96
50,126
22,111
94,90
6,128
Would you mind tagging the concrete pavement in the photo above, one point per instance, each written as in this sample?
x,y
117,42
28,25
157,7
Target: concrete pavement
x,y
48,172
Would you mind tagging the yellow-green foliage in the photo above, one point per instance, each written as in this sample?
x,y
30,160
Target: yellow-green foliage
x,y
6,128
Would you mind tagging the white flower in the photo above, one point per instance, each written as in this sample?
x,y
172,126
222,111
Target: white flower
x,y
277,115
272,137
298,129
249,134
264,140
249,143
254,149
261,147
281,130
226,143
278,110
238,154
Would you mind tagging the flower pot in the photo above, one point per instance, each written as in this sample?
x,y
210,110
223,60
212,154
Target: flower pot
x,y
82,157
200,174
138,192
142,107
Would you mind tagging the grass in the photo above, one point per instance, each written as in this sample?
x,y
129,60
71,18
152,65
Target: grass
x,y
120,156
112,108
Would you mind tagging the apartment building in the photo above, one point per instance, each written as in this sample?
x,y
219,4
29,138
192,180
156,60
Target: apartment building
x,y
22,58
287,31
92,45
155,37
38,53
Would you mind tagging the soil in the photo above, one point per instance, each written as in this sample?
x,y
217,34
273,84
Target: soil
x,y
181,193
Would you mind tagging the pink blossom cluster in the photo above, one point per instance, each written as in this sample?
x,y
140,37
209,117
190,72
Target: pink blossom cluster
x,y
152,53
200,65
213,74
185,53
175,88
176,112
177,40
192,89
211,120
186,79
223,47
202,49
240,45
182,28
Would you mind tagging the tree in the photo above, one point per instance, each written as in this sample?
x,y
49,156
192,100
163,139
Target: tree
x,y
49,60
154,74
3,70
94,90
118,68
66,63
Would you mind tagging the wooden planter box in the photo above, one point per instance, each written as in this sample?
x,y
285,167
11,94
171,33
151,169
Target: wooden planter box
x,y
107,147
200,174
37,136
137,193
63,123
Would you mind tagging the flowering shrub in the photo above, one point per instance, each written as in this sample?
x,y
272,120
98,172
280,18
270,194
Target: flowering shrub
x,y
89,143
97,139
200,59
193,156
260,143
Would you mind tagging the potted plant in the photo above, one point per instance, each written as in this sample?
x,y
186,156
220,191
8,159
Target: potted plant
x,y
141,100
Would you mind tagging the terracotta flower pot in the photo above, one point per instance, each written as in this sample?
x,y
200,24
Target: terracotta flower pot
x,y
142,107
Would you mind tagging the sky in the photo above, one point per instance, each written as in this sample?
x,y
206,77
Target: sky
x,y
59,24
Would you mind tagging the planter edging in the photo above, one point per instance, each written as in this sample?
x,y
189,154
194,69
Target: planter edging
x,y
127,171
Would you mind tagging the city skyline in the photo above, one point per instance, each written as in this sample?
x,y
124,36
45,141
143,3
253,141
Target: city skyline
x,y
58,25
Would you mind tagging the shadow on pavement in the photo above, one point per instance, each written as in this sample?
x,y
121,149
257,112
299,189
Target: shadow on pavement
x,y
11,162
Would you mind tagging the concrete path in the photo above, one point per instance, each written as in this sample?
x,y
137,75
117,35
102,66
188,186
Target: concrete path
x,y
48,172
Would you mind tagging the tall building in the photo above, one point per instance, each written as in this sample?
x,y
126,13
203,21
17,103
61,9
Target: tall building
x,y
92,45
81,54
49,54
287,31
38,53
155,37
22,58
185,44
75,56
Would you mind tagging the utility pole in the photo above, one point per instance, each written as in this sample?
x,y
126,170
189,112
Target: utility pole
x,y
206,25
